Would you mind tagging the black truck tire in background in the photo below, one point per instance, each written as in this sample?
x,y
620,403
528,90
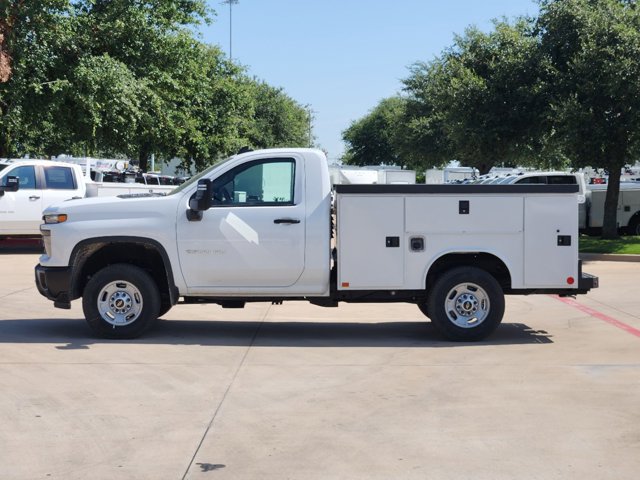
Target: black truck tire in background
x,y
634,225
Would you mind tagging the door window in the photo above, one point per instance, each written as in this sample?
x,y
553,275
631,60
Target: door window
x,y
59,178
26,175
265,182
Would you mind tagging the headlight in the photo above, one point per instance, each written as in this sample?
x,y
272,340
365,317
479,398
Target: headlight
x,y
54,218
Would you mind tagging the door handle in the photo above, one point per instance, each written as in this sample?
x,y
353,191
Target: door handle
x,y
286,220
34,197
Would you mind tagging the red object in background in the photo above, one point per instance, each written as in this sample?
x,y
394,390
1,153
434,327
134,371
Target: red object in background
x,y
20,242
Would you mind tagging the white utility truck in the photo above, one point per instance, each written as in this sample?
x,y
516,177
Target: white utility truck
x,y
591,198
259,226
628,214
28,186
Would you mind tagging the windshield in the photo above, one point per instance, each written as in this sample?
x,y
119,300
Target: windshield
x,y
198,176
3,166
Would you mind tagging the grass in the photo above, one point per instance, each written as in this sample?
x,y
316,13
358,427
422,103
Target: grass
x,y
623,245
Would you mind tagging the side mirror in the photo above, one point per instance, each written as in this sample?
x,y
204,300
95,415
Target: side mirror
x,y
201,201
13,185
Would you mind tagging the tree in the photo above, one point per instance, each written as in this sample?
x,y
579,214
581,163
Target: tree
x,y
480,95
32,35
90,76
125,77
153,42
374,139
593,52
425,142
277,120
210,106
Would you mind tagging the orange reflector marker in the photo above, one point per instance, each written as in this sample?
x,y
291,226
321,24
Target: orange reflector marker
x,y
345,284
570,281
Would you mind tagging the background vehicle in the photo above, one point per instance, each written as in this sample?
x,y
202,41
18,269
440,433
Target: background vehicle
x,y
44,182
591,198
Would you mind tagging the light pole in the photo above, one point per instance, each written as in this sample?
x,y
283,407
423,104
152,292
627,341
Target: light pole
x,y
310,118
231,4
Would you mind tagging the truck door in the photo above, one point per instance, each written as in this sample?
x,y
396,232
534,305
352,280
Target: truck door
x,y
254,235
59,184
21,211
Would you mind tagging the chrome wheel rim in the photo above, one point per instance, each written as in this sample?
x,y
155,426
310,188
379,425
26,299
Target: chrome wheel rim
x,y
467,305
120,303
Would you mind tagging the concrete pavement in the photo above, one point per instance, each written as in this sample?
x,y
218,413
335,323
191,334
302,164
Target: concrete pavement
x,y
301,392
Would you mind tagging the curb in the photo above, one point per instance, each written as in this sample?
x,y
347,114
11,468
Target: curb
x,y
607,257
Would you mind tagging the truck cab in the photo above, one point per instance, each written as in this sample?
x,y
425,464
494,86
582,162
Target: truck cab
x,y
40,184
267,215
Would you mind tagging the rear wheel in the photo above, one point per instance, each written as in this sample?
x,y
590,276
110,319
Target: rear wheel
x,y
634,226
466,304
121,301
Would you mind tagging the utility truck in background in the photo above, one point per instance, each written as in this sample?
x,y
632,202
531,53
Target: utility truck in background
x,y
259,226
28,186
591,198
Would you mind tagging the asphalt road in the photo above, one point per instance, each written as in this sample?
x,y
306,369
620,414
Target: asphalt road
x,y
301,392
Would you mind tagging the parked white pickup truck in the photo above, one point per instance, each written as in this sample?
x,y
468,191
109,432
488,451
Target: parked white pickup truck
x,y
37,184
258,227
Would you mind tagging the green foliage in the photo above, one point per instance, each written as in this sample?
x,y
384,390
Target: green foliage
x,y
278,120
373,140
32,35
621,246
478,102
558,90
592,50
125,77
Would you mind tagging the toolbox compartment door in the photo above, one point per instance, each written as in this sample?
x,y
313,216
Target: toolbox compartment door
x,y
371,244
551,241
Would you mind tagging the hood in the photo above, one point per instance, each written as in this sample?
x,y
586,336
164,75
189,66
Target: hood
x,y
123,206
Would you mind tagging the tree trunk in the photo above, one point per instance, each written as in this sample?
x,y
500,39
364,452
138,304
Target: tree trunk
x,y
5,76
484,168
7,24
143,159
610,221
5,137
5,58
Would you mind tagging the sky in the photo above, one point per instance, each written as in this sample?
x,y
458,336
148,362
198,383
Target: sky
x,y
339,58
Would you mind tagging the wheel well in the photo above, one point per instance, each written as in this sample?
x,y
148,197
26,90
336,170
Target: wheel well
x,y
96,256
485,261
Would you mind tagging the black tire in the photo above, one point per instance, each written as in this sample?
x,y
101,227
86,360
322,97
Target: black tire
x,y
466,304
164,308
121,301
424,308
634,225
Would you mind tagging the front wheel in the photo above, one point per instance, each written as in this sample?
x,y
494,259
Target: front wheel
x,y
466,304
121,301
